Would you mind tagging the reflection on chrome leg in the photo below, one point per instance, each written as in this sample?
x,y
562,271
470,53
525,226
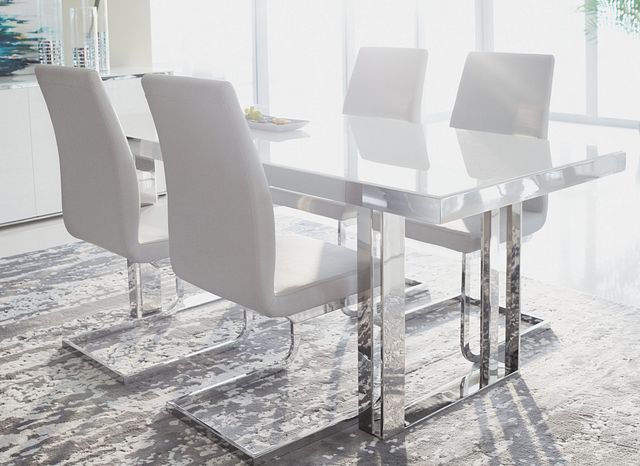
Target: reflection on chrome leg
x,y
366,327
465,305
381,354
489,311
512,326
392,296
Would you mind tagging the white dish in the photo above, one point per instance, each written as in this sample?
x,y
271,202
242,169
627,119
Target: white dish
x,y
266,125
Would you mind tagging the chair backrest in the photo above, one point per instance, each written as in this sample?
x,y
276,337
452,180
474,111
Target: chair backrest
x,y
221,223
387,82
505,93
100,198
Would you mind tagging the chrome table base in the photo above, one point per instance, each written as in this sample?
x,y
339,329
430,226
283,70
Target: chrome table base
x,y
381,386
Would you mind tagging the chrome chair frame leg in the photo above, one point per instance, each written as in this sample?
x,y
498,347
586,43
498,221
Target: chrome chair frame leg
x,y
145,289
341,241
245,378
78,343
182,405
146,310
465,305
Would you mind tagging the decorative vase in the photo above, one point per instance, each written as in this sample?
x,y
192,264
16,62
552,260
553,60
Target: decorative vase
x,y
84,37
50,46
104,58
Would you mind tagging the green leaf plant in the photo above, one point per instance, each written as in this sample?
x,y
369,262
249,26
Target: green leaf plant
x,y
622,14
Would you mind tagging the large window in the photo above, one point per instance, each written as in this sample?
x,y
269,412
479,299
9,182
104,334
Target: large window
x,y
618,74
206,38
448,32
303,51
556,27
296,55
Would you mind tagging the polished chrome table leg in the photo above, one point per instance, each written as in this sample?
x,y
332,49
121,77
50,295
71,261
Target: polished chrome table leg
x,y
366,327
392,344
489,307
381,411
512,325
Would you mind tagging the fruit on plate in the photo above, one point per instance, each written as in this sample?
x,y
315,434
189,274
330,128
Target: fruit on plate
x,y
253,114
280,121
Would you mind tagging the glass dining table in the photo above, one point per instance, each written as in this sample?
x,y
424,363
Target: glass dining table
x,y
392,171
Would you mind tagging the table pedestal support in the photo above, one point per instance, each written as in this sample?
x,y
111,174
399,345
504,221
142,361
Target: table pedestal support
x,y
381,339
381,351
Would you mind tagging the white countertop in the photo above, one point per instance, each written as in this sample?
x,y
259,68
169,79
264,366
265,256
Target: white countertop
x,y
20,81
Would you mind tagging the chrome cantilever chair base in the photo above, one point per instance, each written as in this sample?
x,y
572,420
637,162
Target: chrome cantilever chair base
x,y
152,339
116,349
192,407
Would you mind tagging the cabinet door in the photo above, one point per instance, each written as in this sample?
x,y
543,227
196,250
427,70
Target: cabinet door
x,y
46,166
17,198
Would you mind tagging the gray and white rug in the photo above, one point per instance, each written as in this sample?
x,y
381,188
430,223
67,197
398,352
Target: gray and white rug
x,y
575,402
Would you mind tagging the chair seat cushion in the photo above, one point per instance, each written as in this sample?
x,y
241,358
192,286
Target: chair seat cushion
x,y
314,205
310,273
153,233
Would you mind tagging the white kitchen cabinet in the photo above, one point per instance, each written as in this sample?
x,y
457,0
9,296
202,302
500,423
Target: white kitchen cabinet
x,y
17,196
46,167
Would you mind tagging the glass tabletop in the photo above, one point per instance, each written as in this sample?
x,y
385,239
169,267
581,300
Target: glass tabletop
x,y
429,172
432,160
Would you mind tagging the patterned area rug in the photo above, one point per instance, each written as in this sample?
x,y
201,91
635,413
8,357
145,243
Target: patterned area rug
x,y
575,401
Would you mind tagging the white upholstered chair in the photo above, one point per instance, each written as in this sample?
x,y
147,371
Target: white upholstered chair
x,y
100,195
386,82
221,220
505,93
